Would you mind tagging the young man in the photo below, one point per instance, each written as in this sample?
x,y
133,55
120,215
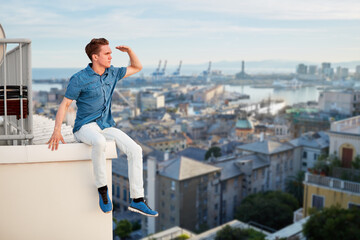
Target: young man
x,y
92,88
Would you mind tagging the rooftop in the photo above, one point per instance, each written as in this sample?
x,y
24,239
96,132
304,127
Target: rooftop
x,y
266,147
183,168
311,139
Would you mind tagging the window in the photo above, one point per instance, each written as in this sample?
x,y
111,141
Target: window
x,y
263,173
318,202
304,164
255,175
216,206
304,154
172,196
124,195
354,205
117,191
315,156
172,185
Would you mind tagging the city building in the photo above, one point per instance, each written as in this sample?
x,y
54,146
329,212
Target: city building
x,y
304,120
150,100
208,94
321,191
313,69
186,193
357,72
301,69
244,128
240,176
326,70
346,102
280,157
310,146
345,140
174,143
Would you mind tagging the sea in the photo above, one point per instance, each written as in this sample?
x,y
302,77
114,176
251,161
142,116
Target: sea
x,y
290,96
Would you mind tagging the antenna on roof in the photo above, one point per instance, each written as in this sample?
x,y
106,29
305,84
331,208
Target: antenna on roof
x,y
2,45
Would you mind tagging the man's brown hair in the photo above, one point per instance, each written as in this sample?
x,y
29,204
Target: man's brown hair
x,y
93,47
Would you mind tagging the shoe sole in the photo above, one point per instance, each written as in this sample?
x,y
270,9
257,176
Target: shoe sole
x,y
141,212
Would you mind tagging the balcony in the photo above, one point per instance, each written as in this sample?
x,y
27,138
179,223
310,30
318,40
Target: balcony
x,y
15,92
333,183
349,125
51,194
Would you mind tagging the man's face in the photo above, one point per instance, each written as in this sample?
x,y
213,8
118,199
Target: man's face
x,y
103,58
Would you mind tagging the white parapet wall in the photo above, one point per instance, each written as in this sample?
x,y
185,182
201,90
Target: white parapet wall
x,y
51,194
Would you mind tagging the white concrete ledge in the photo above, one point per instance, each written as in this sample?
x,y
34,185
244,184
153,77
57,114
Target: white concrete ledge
x,y
52,194
41,153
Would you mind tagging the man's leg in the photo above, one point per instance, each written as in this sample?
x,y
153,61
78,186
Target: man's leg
x,y
135,159
91,135
135,168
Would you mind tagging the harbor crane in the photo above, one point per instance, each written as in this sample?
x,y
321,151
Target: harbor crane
x,y
157,71
163,70
177,72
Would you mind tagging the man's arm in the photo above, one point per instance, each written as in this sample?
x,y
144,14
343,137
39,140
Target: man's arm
x,y
56,136
135,64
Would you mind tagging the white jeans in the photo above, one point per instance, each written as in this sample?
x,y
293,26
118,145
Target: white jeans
x,y
92,134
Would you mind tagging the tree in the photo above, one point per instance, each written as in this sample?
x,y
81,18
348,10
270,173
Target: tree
x,y
182,237
216,151
230,233
333,223
356,163
294,186
273,209
123,228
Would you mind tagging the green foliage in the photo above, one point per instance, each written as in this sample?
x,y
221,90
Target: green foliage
x,y
123,228
333,223
135,225
182,237
294,186
216,151
202,228
273,209
230,233
356,162
171,110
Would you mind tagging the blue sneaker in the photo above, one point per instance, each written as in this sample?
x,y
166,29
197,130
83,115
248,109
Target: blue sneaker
x,y
104,200
142,208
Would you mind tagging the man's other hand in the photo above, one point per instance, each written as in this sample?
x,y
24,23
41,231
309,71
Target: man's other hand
x,y
54,140
123,48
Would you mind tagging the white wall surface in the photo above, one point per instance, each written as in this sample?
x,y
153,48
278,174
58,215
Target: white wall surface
x,y
51,195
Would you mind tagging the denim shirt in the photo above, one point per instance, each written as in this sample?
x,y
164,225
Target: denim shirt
x,y
93,93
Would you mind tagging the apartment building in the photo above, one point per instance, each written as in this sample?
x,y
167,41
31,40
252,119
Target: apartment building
x,y
322,191
168,143
345,139
345,102
240,176
281,158
186,193
310,146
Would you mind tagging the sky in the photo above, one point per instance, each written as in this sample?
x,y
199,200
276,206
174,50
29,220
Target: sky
x,y
194,31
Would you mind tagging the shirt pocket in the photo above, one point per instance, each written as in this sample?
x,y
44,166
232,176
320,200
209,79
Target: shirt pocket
x,y
92,90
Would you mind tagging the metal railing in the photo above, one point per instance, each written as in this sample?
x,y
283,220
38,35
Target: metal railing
x,y
16,93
